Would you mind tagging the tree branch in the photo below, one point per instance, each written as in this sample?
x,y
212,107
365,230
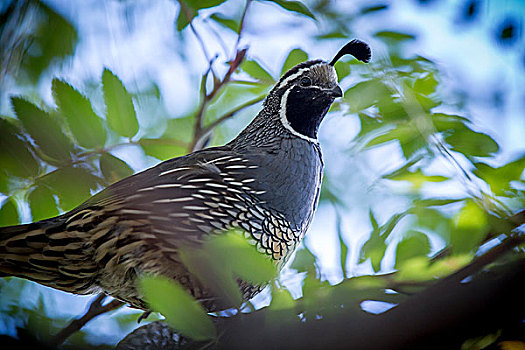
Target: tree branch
x,y
95,309
223,118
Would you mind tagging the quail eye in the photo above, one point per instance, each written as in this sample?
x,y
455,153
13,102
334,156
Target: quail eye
x,y
306,81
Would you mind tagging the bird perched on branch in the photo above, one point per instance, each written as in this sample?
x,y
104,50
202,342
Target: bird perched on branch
x,y
265,182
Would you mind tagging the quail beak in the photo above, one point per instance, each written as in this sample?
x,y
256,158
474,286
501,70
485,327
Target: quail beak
x,y
335,92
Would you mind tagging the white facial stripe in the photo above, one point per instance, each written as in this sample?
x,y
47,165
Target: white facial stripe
x,y
285,122
299,72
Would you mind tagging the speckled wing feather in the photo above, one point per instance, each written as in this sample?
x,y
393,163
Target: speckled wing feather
x,y
114,236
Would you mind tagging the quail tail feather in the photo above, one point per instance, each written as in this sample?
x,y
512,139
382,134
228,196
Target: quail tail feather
x,y
43,252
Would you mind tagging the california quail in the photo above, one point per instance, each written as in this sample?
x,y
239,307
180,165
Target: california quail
x,y
265,182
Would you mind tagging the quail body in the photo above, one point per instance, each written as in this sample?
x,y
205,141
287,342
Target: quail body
x,y
266,182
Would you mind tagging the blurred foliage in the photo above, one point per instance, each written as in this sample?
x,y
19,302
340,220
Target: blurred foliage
x,y
52,159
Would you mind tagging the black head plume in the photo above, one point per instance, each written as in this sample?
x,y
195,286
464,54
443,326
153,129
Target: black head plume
x,y
356,48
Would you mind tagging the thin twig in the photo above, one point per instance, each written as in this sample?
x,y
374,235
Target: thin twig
x,y
241,25
95,309
223,118
199,131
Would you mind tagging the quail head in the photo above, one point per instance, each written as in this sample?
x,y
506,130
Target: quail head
x,y
265,182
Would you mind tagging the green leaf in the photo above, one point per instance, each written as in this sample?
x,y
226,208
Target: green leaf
x,y
448,122
281,299
373,220
365,94
295,57
189,10
374,249
113,168
86,126
304,261
9,213
426,85
233,24
203,4
71,185
415,244
15,157
499,179
254,69
242,258
394,36
42,204
416,178
183,313
121,116
180,129
45,130
163,149
294,6
343,254
213,274
52,39
471,227
471,143
374,8
409,137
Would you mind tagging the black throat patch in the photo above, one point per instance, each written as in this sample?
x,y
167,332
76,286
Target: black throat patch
x,y
306,108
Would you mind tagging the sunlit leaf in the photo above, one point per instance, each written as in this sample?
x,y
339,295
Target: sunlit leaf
x,y
281,299
413,245
426,85
471,227
9,213
448,122
294,6
446,266
42,203
500,178
295,57
416,178
210,271
121,116
86,126
391,109
113,168
243,258
181,310
44,129
254,69
163,149
180,129
15,157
